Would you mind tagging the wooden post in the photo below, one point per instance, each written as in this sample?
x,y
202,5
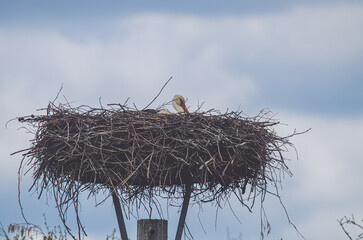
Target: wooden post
x,y
120,218
183,214
152,229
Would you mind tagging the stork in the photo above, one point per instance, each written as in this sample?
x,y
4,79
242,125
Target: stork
x,y
178,104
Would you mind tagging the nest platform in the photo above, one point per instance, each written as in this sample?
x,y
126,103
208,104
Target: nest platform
x,y
145,154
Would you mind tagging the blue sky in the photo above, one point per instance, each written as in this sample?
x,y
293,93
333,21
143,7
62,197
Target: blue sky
x,y
301,60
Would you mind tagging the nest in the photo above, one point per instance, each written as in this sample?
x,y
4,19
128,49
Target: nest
x,y
144,154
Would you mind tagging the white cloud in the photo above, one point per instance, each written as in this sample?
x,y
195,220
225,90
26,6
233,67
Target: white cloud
x,y
330,156
309,35
322,36
207,56
326,182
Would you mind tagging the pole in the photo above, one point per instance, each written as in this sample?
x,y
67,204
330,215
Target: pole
x,y
120,218
183,214
152,229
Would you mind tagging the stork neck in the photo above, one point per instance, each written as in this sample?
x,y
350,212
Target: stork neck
x,y
178,108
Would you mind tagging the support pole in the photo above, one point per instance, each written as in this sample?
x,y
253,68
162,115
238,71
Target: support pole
x,y
152,229
120,218
183,214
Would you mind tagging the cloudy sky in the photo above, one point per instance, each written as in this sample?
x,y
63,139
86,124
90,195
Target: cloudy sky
x,y
302,60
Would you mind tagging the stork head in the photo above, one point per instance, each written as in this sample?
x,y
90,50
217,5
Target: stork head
x,y
179,104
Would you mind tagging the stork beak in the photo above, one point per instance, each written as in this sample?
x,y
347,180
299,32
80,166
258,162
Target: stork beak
x,y
185,108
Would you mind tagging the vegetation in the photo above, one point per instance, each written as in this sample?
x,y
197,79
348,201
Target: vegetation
x,y
16,231
355,227
26,231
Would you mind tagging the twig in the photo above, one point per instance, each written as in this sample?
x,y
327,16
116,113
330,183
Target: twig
x,y
346,221
158,94
56,97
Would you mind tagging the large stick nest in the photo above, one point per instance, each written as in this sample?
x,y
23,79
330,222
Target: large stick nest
x,y
145,154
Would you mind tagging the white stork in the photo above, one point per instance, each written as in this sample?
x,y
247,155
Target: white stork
x,y
179,105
